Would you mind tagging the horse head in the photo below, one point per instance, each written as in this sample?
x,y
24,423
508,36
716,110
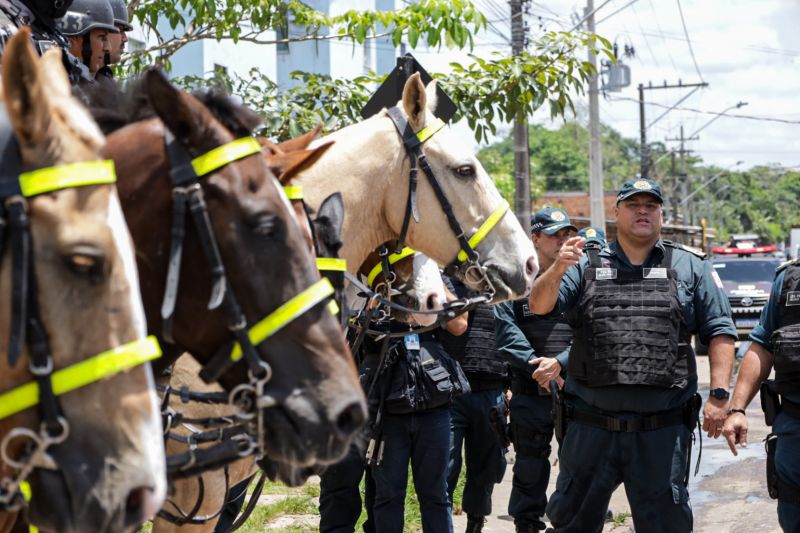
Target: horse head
x,y
318,405
104,469
370,165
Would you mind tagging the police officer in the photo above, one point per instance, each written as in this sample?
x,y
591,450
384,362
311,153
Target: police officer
x,y
87,24
40,16
116,41
535,346
593,234
631,377
776,342
470,427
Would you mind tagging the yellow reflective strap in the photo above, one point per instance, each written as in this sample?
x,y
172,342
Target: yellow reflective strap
x,y
63,176
222,155
428,131
284,314
293,192
333,307
485,228
331,263
393,258
25,488
83,373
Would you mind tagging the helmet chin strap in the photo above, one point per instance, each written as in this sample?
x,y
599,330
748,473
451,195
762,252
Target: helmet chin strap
x,y
86,50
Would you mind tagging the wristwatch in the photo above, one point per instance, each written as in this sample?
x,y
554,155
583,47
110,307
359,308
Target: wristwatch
x,y
731,411
719,393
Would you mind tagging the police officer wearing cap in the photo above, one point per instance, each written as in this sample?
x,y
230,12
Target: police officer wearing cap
x,y
87,24
535,347
631,383
487,373
776,343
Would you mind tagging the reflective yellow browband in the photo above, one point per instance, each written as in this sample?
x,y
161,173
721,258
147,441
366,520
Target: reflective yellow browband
x,y
485,228
428,131
331,263
293,192
63,176
83,373
222,155
284,314
25,488
393,258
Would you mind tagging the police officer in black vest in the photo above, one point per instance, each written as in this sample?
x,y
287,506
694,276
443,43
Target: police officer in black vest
x,y
776,343
631,378
535,346
40,16
487,373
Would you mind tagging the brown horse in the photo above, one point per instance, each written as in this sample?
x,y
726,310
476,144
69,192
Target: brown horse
x,y
318,404
108,473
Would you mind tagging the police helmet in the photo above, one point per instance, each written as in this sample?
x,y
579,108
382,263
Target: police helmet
x,y
87,15
49,9
120,14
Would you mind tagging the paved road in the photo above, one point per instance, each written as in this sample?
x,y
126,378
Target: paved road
x,y
729,494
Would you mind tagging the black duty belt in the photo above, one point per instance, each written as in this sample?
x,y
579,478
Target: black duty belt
x,y
529,387
478,385
674,417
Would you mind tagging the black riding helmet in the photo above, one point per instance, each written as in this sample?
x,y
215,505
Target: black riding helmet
x,y
87,15
121,14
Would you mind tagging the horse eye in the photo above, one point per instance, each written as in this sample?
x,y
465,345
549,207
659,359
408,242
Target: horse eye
x,y
87,262
465,171
264,225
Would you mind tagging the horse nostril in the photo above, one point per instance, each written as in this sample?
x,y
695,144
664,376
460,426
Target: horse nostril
x,y
531,267
432,301
350,420
140,506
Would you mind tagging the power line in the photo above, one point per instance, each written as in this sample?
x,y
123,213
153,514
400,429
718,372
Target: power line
x,y
693,110
686,32
617,11
658,25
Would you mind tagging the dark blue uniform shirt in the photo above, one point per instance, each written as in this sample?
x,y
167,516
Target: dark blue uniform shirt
x,y
512,344
706,312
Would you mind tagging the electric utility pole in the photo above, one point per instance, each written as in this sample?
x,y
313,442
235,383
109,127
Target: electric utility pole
x,y
597,206
522,169
681,185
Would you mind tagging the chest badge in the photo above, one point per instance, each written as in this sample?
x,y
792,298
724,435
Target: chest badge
x,y
654,273
606,273
793,298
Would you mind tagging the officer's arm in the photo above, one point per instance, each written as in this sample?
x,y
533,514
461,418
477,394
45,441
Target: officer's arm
x,y
458,325
713,313
509,339
545,293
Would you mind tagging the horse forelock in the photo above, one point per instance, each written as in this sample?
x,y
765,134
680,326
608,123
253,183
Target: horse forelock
x,y
237,118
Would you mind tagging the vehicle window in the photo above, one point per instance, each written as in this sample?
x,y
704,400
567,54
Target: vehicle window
x,y
746,271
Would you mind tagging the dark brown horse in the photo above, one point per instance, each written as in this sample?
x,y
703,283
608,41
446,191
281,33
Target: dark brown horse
x,y
314,384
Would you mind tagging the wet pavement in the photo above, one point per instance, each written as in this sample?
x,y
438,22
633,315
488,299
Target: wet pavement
x,y
728,495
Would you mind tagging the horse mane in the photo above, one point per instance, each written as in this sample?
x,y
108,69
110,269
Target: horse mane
x,y
113,107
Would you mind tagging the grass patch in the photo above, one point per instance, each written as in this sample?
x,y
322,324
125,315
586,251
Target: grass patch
x,y
619,519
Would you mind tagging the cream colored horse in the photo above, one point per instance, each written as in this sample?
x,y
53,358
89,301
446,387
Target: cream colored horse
x,y
109,473
369,166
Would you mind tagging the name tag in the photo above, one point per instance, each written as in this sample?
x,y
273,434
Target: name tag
x,y
526,310
654,273
606,273
793,298
411,341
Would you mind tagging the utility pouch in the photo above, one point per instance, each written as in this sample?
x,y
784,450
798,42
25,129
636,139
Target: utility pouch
x,y
498,420
770,401
435,383
771,444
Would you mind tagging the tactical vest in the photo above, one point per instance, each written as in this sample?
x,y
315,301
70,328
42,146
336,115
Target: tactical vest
x,y
631,329
786,338
475,349
548,335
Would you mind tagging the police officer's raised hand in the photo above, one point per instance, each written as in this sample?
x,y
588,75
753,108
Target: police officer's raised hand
x,y
549,369
735,431
570,253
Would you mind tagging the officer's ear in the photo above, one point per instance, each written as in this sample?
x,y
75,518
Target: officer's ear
x,y
25,93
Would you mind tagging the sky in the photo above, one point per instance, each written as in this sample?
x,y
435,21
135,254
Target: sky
x,y
746,51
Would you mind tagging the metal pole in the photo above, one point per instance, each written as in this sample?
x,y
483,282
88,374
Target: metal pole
x,y
643,135
597,211
522,172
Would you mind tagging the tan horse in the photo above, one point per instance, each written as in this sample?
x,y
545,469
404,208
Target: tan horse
x,y
109,473
369,166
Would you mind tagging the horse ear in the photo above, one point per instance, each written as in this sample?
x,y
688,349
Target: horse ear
x,y
302,142
287,166
174,107
53,75
430,94
414,101
268,147
332,208
24,95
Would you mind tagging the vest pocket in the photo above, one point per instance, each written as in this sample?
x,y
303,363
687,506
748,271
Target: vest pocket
x,y
786,347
